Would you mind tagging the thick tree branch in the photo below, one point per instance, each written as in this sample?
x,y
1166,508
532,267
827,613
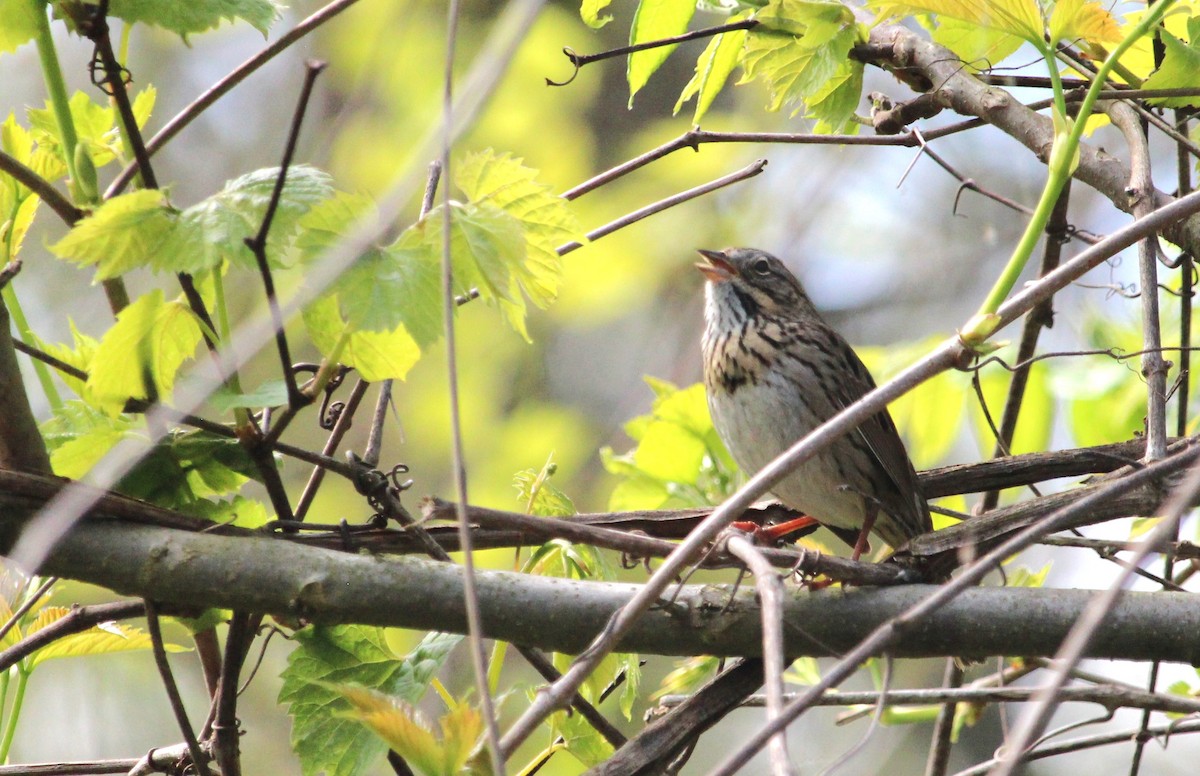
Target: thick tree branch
x,y
903,51
21,445
269,575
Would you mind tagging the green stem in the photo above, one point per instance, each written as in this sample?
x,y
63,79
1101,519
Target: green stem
x,y
14,713
329,363
25,334
56,87
234,383
4,682
1062,162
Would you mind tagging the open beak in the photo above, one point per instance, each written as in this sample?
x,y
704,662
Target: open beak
x,y
716,266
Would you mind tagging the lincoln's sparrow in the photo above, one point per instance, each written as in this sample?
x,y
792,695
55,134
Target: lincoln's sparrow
x,y
774,371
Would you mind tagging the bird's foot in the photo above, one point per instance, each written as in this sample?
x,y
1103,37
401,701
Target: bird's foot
x,y
770,535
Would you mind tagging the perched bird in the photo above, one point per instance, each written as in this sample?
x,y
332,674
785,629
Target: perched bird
x,y
774,371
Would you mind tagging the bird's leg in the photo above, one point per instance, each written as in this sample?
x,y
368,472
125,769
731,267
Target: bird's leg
x,y
862,545
770,534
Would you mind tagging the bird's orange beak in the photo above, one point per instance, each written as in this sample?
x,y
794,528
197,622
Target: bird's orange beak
x,y
716,266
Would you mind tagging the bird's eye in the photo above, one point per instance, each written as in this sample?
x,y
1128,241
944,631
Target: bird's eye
x,y
762,267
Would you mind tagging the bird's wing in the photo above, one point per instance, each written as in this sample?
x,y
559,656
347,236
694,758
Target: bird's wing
x,y
883,440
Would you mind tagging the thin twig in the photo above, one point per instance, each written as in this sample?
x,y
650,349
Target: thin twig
x,y
943,727
225,731
344,421
28,604
540,663
1110,696
199,761
1154,368
746,172
1183,171
1090,742
114,79
581,60
41,187
258,243
470,594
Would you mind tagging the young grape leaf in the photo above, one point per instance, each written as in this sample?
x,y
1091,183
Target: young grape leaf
x,y
1180,68
20,23
406,731
323,736
1022,18
546,218
377,355
151,339
197,15
386,287
1073,20
654,20
105,639
798,48
124,233
590,12
716,63
216,228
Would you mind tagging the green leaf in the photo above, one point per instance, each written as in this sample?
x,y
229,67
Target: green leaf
x,y
1074,20
1022,18
80,356
930,417
180,471
834,104
669,452
546,219
216,228
124,233
377,355
487,249
580,739
95,125
386,287
240,511
197,15
20,23
272,393
687,676
799,47
713,67
78,436
539,496
104,639
1108,400
17,204
1021,576
1180,69
654,20
590,10
405,730
679,460
149,342
979,47
324,738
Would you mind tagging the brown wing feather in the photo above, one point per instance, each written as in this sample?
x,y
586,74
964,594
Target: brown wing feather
x,y
904,501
